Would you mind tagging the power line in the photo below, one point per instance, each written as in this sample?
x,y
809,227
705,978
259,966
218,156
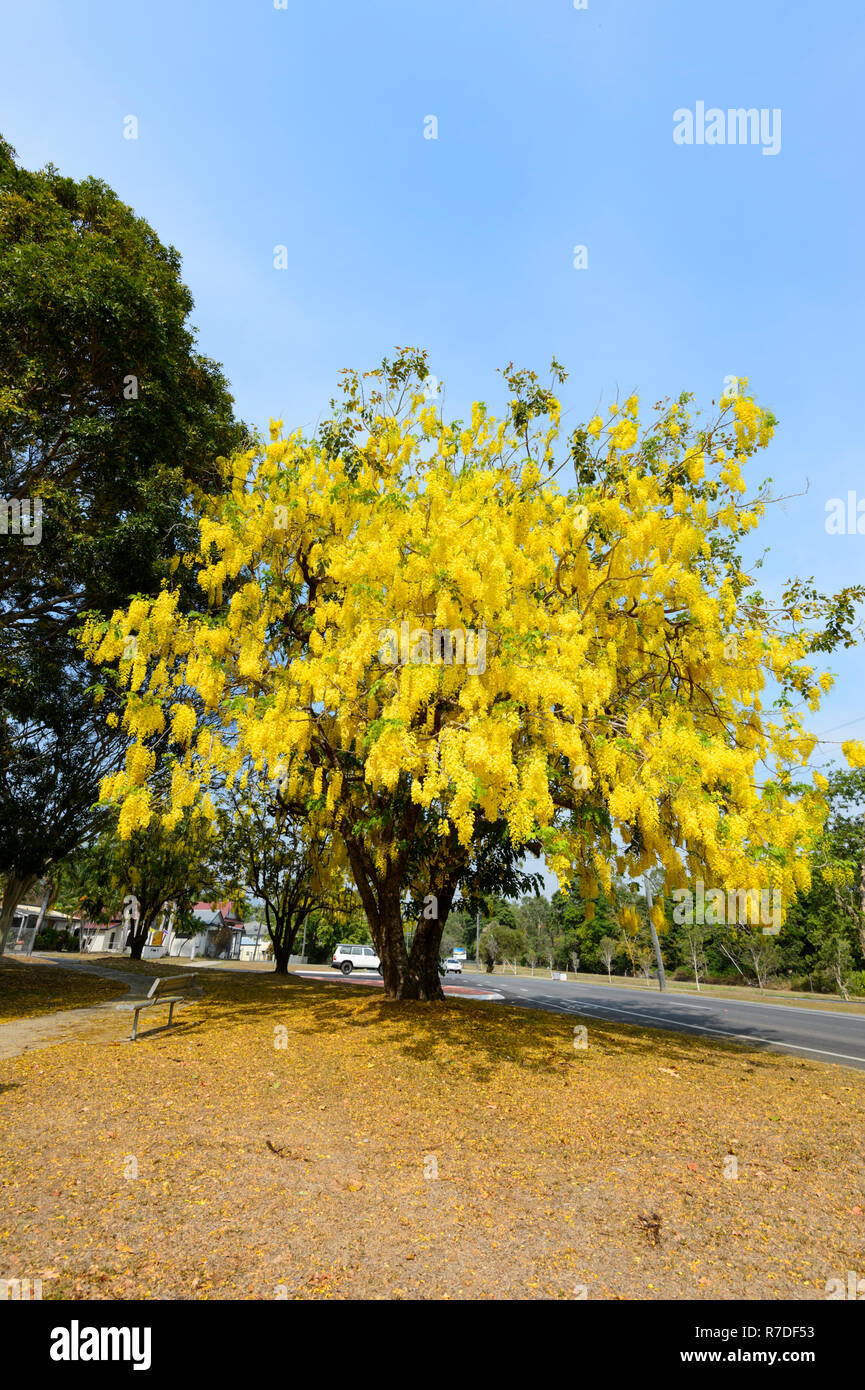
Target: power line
x,y
835,727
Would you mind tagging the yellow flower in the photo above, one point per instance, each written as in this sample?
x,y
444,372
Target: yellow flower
x,y
521,646
854,752
624,435
183,721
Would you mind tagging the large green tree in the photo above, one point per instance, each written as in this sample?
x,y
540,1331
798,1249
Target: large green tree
x,y
153,867
110,418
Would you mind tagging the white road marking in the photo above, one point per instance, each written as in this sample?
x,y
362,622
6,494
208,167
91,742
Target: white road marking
x,y
687,1002
746,1037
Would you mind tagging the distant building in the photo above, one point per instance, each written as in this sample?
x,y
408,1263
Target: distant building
x,y
103,936
218,937
222,931
22,932
221,934
255,943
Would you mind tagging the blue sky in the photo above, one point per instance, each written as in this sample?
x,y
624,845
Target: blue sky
x,y
304,127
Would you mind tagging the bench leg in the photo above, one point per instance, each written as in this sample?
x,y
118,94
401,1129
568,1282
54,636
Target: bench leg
x,y
168,1025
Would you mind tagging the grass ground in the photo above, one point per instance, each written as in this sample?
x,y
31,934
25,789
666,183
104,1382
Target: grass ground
x,y
28,991
415,1151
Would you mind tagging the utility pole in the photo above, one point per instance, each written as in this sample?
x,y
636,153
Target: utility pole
x,y
662,978
46,898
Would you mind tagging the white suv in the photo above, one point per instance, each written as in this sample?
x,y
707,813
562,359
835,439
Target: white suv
x,y
348,958
453,966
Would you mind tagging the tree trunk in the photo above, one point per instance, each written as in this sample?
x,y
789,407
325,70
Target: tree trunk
x,y
15,890
138,936
406,976
424,958
862,894
283,944
281,954
283,935
399,981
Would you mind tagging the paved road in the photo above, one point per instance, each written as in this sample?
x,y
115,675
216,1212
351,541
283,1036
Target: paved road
x,y
822,1034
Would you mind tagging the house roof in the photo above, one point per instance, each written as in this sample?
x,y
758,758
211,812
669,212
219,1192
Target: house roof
x,y
216,921
224,909
51,913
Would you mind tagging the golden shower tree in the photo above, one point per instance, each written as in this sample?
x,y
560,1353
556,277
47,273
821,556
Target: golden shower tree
x,y
423,637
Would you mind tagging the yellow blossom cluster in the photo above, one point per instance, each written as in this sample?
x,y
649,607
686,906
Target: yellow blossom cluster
x,y
607,686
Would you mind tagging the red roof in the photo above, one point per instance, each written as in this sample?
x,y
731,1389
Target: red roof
x,y
226,908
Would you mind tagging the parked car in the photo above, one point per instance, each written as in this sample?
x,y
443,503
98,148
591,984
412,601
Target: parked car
x,y
453,966
348,958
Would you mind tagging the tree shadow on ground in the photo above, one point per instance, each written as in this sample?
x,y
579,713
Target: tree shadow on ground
x,y
474,1037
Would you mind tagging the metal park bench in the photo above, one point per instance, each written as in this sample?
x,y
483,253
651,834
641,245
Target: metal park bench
x,y
168,989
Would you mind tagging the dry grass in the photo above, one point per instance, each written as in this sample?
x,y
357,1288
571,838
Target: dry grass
x,y
30,990
409,1151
